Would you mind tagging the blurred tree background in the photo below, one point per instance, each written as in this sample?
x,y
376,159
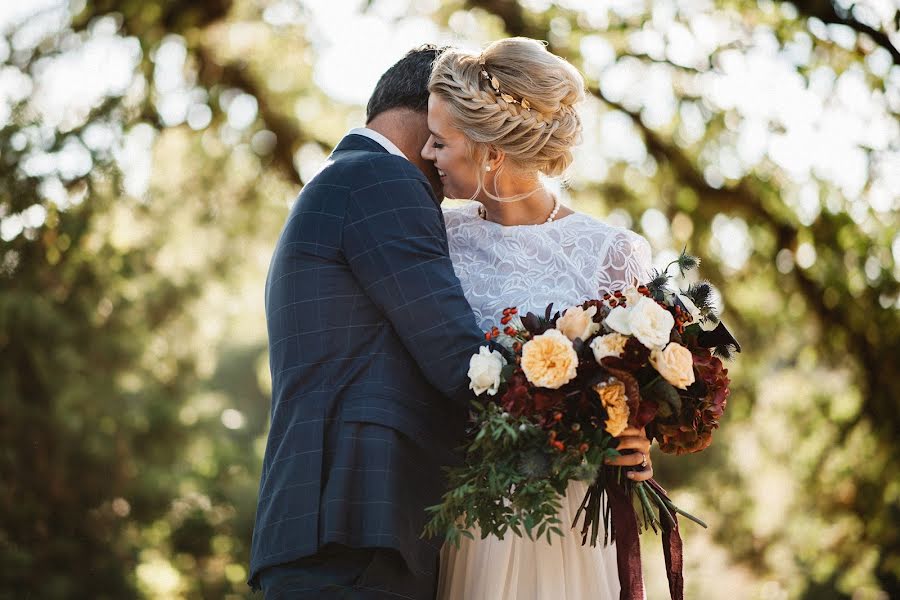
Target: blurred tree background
x,y
150,149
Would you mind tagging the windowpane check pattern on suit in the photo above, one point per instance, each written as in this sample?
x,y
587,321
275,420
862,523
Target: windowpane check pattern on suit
x,y
369,340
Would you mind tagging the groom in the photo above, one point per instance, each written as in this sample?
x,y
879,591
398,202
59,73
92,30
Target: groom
x,y
369,342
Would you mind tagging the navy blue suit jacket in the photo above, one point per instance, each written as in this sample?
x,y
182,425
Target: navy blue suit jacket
x,y
367,324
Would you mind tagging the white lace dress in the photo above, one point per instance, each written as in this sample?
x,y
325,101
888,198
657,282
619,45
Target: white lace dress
x,y
565,262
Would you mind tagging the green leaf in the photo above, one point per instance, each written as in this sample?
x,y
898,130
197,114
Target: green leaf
x,y
507,371
665,394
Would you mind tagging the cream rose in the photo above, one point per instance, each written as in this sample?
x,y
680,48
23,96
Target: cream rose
x,y
650,323
549,360
578,323
611,344
675,363
484,371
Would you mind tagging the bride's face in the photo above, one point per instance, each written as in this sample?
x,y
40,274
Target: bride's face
x,y
447,149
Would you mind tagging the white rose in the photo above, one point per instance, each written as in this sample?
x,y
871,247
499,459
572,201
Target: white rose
x,y
578,323
484,371
632,296
617,320
612,344
650,323
675,363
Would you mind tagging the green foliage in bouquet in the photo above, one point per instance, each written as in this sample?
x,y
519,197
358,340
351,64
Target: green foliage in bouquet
x,y
506,460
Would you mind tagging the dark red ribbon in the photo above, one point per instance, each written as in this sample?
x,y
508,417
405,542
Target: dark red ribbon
x,y
672,548
628,545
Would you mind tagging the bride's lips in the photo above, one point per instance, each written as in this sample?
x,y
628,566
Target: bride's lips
x,y
441,173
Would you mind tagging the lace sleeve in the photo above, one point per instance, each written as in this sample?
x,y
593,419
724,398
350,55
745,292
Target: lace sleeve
x,y
626,261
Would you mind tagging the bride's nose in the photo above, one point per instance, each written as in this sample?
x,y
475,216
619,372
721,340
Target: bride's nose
x,y
427,149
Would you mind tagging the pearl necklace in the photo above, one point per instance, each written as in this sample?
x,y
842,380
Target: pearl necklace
x,y
556,206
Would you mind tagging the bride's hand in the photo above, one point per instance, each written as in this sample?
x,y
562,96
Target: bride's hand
x,y
634,439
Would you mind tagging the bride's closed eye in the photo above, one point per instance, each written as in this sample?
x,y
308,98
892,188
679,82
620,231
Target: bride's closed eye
x,y
437,145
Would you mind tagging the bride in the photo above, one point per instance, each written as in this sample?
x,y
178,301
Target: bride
x,y
499,120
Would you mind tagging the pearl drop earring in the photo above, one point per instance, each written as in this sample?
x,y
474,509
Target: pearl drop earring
x,y
487,168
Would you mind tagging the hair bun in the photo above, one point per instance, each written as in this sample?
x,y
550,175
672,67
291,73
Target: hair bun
x,y
515,95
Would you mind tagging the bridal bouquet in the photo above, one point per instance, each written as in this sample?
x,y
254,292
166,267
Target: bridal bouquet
x,y
646,356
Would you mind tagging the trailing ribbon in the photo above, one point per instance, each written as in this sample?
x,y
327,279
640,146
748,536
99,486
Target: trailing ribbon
x,y
672,547
628,546
625,532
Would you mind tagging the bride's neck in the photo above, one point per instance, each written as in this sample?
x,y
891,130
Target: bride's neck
x,y
533,209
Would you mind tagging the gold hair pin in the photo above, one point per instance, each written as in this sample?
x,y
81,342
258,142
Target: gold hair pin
x,y
495,83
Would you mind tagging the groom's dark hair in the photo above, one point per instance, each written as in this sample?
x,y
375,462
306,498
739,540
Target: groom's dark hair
x,y
405,85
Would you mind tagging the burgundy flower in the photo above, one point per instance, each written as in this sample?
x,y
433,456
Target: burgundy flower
x,y
702,406
517,398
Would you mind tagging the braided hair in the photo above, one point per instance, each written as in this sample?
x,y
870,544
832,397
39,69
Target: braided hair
x,y
516,96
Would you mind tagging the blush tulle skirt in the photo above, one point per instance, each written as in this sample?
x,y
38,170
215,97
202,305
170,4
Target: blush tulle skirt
x,y
516,568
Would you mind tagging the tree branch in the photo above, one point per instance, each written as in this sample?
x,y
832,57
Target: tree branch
x,y
288,135
828,12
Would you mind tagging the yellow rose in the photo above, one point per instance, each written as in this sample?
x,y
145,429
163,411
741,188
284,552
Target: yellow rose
x,y
612,396
675,363
549,360
578,323
611,344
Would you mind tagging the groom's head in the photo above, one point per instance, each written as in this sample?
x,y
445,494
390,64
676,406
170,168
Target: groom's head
x,y
398,107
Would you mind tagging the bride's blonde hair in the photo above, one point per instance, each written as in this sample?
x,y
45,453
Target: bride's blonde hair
x,y
516,96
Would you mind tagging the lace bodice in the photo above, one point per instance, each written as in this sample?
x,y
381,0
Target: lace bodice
x,y
529,266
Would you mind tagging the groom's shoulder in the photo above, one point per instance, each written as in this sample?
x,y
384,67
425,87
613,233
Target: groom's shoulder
x,y
358,169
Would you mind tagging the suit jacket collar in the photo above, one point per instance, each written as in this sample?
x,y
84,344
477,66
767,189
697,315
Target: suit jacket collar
x,y
359,142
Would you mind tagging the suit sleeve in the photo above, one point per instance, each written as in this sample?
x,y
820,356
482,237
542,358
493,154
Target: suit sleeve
x,y
395,242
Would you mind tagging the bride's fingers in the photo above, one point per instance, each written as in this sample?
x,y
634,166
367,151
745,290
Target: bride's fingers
x,y
628,460
642,475
635,449
632,432
641,444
